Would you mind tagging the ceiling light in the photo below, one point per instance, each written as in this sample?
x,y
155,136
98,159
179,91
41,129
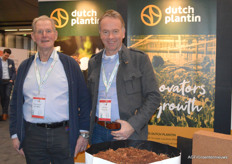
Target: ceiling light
x,y
10,30
28,29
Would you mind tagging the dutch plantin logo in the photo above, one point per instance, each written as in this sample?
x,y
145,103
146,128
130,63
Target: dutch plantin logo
x,y
60,16
151,15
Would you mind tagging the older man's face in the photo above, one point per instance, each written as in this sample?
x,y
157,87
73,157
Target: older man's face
x,y
44,34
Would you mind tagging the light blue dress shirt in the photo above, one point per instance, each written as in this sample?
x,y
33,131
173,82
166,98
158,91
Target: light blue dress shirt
x,y
109,63
5,71
55,89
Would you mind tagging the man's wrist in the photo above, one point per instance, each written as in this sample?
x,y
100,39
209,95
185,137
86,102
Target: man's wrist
x,y
85,135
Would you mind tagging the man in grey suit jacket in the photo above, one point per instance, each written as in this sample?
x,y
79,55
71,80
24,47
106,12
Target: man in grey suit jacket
x,y
123,87
7,77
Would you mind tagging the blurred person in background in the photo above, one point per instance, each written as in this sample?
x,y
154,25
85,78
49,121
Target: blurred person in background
x,y
7,77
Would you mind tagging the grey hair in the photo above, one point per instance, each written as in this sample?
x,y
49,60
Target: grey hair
x,y
43,17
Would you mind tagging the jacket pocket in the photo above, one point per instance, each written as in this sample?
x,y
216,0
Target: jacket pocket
x,y
133,83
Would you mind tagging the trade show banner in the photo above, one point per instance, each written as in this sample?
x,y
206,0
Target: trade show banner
x,y
77,25
180,39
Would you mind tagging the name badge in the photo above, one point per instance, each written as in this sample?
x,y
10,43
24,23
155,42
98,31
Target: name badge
x,y
104,110
38,107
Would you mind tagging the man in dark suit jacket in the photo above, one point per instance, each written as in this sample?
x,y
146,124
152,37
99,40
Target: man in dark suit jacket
x,y
7,77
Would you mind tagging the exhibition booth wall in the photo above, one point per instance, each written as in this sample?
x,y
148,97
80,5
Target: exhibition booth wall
x,y
189,45
185,41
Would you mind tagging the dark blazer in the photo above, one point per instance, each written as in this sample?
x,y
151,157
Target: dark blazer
x,y
11,69
137,89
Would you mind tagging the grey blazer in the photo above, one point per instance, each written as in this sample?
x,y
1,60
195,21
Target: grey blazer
x,y
137,89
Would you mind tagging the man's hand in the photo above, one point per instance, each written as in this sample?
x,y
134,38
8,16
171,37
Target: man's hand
x,y
125,131
16,144
81,145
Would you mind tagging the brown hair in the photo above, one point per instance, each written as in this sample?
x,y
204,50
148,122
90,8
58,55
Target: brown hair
x,y
113,14
7,51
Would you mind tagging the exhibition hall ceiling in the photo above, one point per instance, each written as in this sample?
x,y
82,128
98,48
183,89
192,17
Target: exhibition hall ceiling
x,y
17,14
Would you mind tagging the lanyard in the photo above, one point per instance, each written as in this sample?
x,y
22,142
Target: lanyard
x,y
113,74
40,83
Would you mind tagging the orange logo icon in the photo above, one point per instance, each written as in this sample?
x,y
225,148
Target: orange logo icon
x,y
60,16
151,15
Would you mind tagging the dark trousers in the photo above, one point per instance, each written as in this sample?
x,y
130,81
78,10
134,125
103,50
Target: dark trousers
x,y
42,145
101,134
5,91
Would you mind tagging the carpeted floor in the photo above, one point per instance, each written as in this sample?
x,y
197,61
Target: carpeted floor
x,y
7,154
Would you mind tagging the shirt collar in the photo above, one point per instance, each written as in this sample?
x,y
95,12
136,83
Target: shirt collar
x,y
104,56
51,56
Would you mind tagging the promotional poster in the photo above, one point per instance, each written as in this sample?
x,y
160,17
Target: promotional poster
x,y
180,39
77,26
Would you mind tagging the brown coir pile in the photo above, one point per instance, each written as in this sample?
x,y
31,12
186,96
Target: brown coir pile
x,y
130,155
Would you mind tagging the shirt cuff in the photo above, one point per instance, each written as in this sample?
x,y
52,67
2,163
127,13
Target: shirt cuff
x,y
14,136
84,131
